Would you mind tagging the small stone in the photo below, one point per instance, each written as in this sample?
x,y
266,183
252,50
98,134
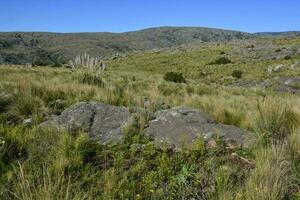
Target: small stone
x,y
28,122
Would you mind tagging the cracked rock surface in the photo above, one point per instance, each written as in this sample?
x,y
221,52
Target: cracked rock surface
x,y
103,122
183,125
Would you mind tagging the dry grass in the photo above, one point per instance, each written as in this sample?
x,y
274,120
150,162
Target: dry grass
x,y
270,179
49,186
30,93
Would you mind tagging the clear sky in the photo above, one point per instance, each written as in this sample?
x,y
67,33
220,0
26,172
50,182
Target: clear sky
x,y
128,15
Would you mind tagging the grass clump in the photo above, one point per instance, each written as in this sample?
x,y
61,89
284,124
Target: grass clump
x,y
275,122
174,77
91,79
270,178
5,101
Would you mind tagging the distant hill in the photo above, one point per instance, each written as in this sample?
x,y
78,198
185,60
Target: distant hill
x,y
39,47
49,48
286,34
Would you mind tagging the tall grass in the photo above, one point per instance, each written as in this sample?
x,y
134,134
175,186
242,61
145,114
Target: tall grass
x,y
276,121
47,186
270,179
136,168
294,157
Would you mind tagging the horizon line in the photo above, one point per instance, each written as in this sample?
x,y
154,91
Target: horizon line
x,y
146,28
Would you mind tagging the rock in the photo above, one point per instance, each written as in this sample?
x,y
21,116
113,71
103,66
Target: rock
x,y
103,122
184,125
28,122
291,85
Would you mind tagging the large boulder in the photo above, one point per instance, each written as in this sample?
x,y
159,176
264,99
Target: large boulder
x,y
183,125
103,122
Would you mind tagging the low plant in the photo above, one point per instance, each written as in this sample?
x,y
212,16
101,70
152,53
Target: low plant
x,y
221,61
174,77
237,74
287,57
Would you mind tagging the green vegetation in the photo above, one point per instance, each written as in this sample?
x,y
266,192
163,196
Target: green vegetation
x,y
44,164
221,61
174,77
22,47
237,74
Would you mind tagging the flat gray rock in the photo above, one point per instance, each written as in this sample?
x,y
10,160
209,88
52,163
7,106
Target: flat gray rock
x,y
103,122
183,125
291,85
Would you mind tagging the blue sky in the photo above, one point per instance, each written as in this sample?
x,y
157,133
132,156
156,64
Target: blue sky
x,y
127,15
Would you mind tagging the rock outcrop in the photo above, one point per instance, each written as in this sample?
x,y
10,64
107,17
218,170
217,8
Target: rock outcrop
x,y
103,122
176,126
291,85
183,125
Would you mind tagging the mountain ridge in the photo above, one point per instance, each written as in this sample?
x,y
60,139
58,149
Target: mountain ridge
x,y
48,47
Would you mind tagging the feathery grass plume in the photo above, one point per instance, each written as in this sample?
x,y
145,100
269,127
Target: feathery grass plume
x,y
92,68
92,64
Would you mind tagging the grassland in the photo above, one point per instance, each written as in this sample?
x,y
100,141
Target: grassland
x,y
41,164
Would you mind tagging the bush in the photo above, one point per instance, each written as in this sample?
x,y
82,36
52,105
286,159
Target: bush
x,y
42,57
221,61
174,77
287,57
237,74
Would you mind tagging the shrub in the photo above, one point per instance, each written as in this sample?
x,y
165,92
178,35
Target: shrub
x,y
42,57
221,61
237,74
287,57
174,77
